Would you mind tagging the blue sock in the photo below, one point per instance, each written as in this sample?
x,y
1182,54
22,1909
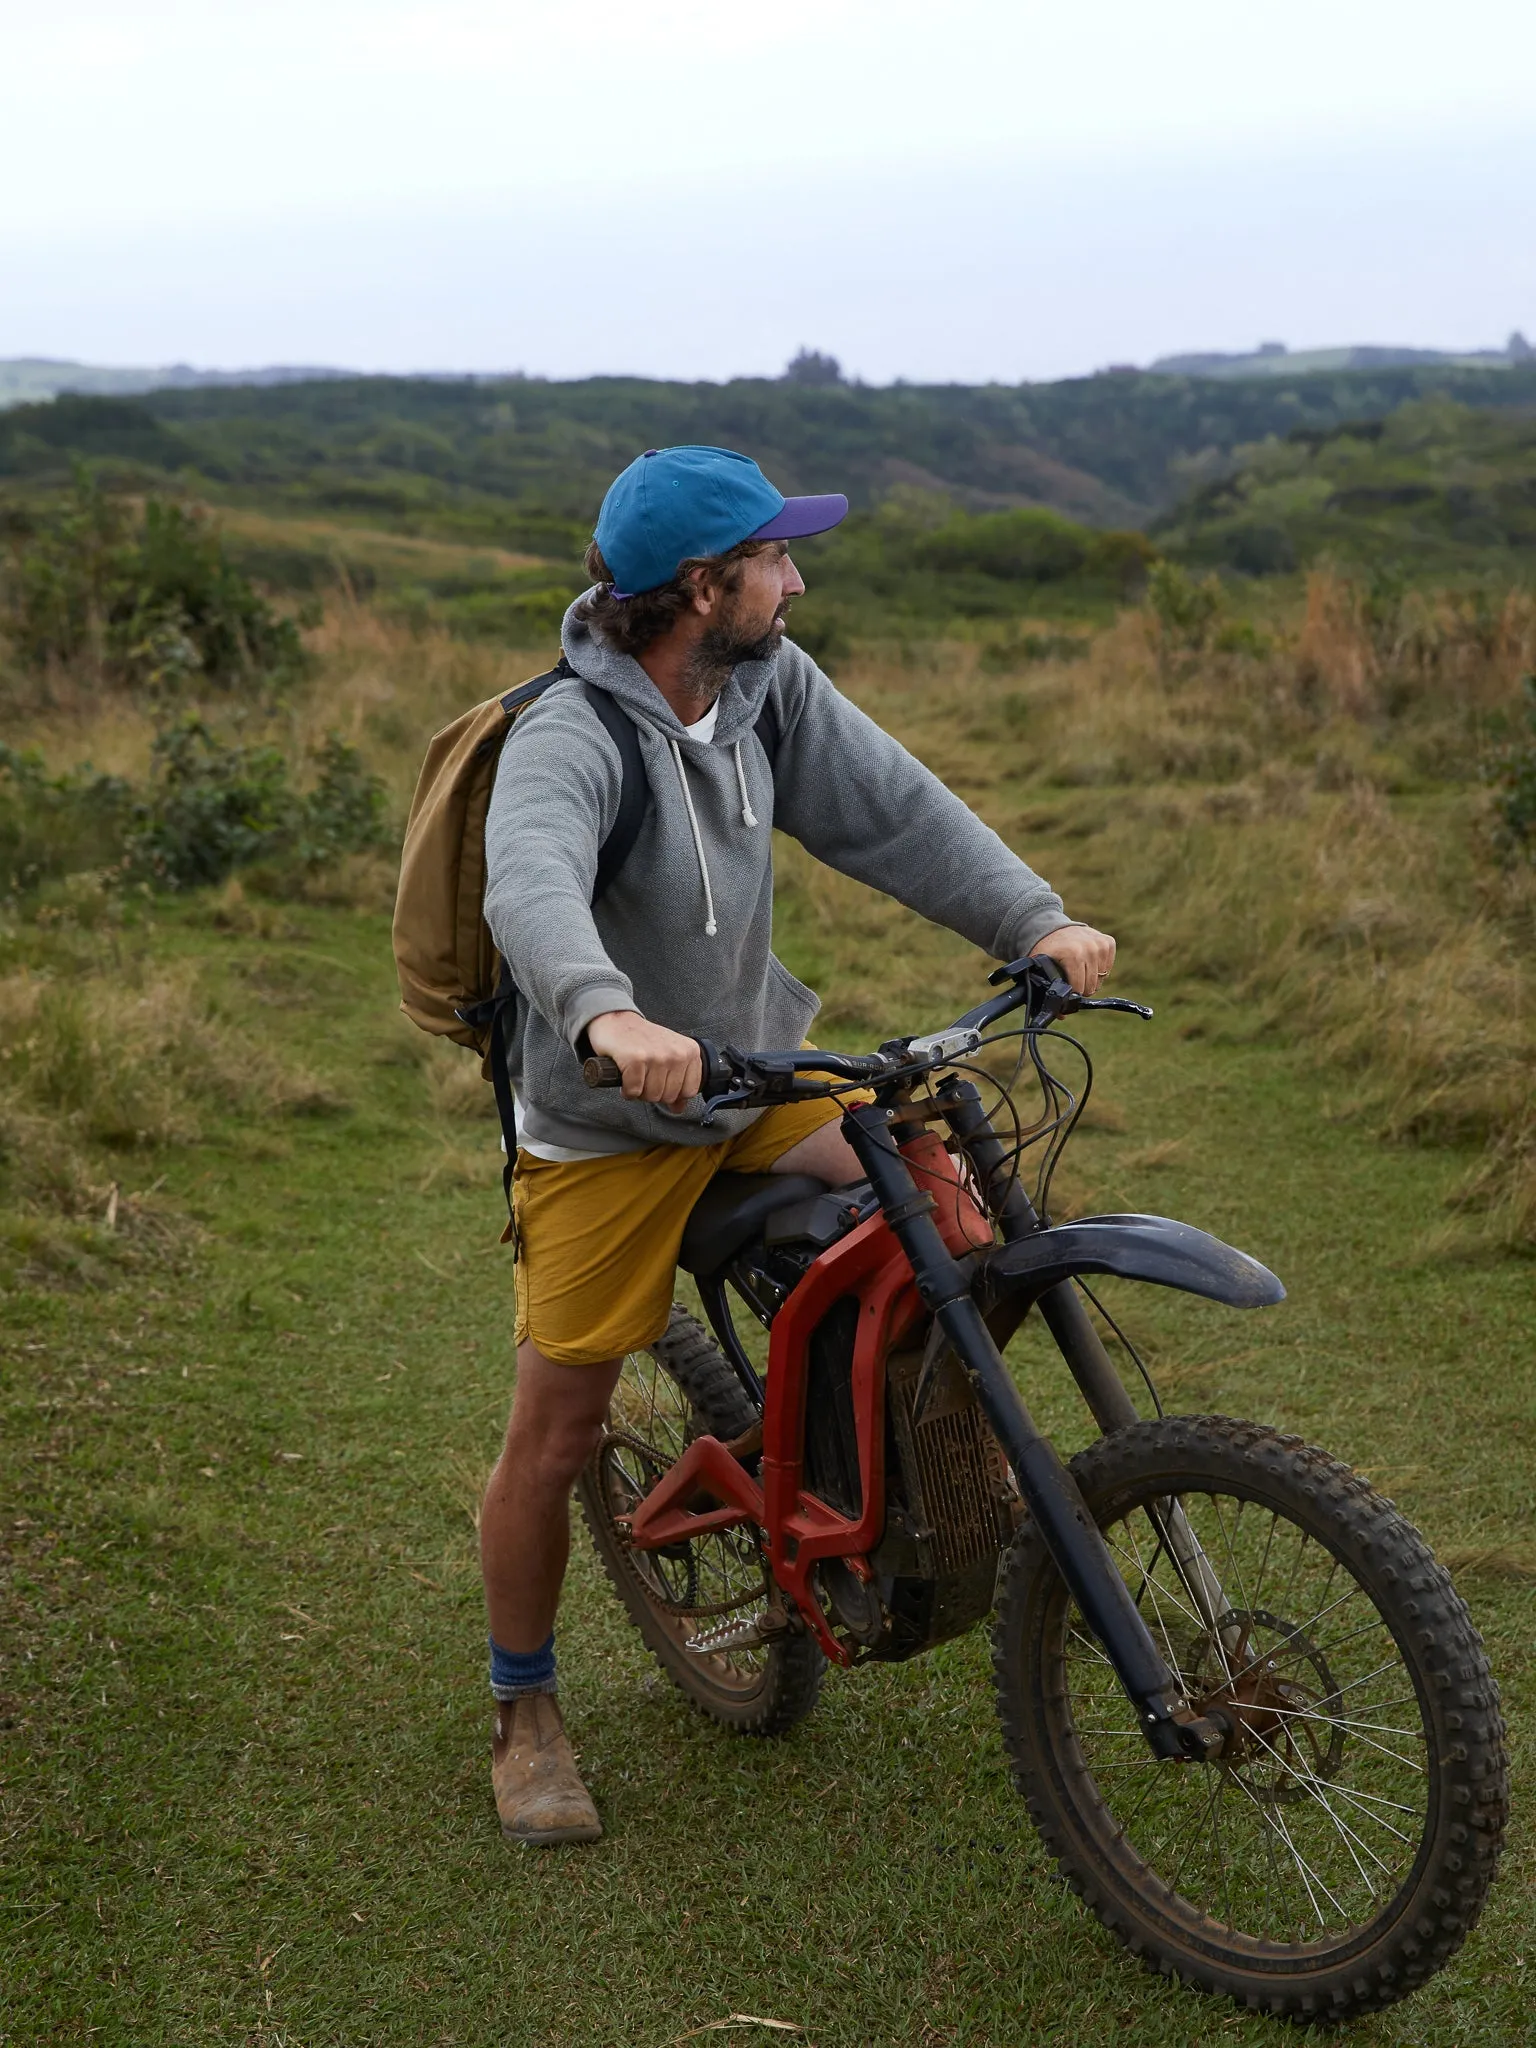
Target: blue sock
x,y
518,1671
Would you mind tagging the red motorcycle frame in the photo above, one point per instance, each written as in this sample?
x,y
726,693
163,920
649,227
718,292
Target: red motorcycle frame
x,y
709,1489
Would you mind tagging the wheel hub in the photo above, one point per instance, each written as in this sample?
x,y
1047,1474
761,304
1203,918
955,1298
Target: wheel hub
x,y
1272,1696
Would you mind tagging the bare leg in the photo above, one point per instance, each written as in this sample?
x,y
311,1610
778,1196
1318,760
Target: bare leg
x,y
557,1416
525,1528
825,1153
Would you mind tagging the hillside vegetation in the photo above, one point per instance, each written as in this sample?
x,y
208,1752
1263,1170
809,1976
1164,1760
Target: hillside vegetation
x,y
983,513
912,566
517,460
1434,488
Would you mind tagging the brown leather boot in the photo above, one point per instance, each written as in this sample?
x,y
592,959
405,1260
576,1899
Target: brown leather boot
x,y
539,1793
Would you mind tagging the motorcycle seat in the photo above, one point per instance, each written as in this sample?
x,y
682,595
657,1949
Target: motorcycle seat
x,y
735,1208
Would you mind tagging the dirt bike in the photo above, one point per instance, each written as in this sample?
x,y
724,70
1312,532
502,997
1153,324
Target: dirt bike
x,y
1248,1712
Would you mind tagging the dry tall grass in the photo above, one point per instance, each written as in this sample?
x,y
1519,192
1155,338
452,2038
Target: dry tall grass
x,y
386,688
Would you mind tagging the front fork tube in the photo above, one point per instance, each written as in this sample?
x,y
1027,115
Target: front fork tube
x,y
1061,1309
1049,1490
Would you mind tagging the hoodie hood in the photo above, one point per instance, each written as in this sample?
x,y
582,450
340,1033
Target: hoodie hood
x,y
622,677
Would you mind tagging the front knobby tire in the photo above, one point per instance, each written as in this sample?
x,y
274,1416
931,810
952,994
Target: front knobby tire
x,y
683,1387
1340,1851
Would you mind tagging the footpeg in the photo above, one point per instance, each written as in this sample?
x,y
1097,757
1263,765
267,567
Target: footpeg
x,y
737,1634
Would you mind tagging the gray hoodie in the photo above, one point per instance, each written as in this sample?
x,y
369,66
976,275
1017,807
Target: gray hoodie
x,y
684,932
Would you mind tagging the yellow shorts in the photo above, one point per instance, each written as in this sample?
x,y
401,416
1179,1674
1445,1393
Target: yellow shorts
x,y
599,1238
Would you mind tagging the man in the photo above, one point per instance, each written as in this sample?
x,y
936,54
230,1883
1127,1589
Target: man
x,y
684,631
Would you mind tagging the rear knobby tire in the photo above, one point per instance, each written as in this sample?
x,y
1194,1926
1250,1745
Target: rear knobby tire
x,y
683,1387
1341,1852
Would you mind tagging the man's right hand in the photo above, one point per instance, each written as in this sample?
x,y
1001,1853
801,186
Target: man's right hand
x,y
658,1065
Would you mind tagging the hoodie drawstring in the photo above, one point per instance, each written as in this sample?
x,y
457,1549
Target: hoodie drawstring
x,y
747,818
710,926
741,783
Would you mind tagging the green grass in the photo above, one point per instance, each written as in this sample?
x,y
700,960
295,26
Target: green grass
x,y
243,1727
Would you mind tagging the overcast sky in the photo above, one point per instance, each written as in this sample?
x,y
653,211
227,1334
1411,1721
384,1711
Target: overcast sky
x,y
985,188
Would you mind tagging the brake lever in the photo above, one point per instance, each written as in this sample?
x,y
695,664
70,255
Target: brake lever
x,y
1055,996
734,1098
1114,1003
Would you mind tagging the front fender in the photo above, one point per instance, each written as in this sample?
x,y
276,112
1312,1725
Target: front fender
x,y
1153,1248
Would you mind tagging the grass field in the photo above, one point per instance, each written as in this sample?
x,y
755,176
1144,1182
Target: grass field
x,y
243,1725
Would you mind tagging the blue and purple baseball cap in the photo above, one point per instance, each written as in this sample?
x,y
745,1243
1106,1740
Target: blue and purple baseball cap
x,y
674,504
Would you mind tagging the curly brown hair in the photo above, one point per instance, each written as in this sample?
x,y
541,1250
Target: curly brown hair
x,y
631,624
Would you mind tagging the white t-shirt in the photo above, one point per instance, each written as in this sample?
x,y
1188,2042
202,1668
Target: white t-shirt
x,y
702,731
704,728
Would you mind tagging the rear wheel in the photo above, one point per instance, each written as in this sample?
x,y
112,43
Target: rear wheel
x,y
1338,1850
681,1388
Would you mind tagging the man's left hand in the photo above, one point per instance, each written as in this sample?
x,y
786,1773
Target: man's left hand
x,y
1083,955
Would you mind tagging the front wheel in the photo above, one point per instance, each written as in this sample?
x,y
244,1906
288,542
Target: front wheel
x,y
1338,1850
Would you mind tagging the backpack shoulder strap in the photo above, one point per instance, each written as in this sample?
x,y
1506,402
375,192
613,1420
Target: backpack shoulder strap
x,y
520,698
634,791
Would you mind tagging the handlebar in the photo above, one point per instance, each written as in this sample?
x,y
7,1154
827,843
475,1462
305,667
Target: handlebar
x,y
732,1079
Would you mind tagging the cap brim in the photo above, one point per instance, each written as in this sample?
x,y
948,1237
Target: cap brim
x,y
801,516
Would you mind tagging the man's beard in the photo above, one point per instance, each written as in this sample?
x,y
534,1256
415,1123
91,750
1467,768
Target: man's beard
x,y
720,648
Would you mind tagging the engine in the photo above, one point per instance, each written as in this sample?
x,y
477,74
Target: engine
x,y
950,1501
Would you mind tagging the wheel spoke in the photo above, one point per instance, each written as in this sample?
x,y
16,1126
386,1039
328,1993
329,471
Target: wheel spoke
x,y
1221,1846
1237,1573
1258,1590
1314,1786
1355,1728
1308,1875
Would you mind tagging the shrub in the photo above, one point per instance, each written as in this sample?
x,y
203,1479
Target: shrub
x,y
1185,610
1025,546
346,812
1255,547
211,808
181,586
53,825
150,602
1123,558
821,636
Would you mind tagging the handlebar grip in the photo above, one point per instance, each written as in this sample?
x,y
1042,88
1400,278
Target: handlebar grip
x,y
599,1071
716,1076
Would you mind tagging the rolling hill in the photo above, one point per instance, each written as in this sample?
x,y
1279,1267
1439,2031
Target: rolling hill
x,y
513,462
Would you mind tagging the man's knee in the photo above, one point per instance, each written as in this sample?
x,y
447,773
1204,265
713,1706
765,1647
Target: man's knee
x,y
557,1419
826,1154
548,1451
